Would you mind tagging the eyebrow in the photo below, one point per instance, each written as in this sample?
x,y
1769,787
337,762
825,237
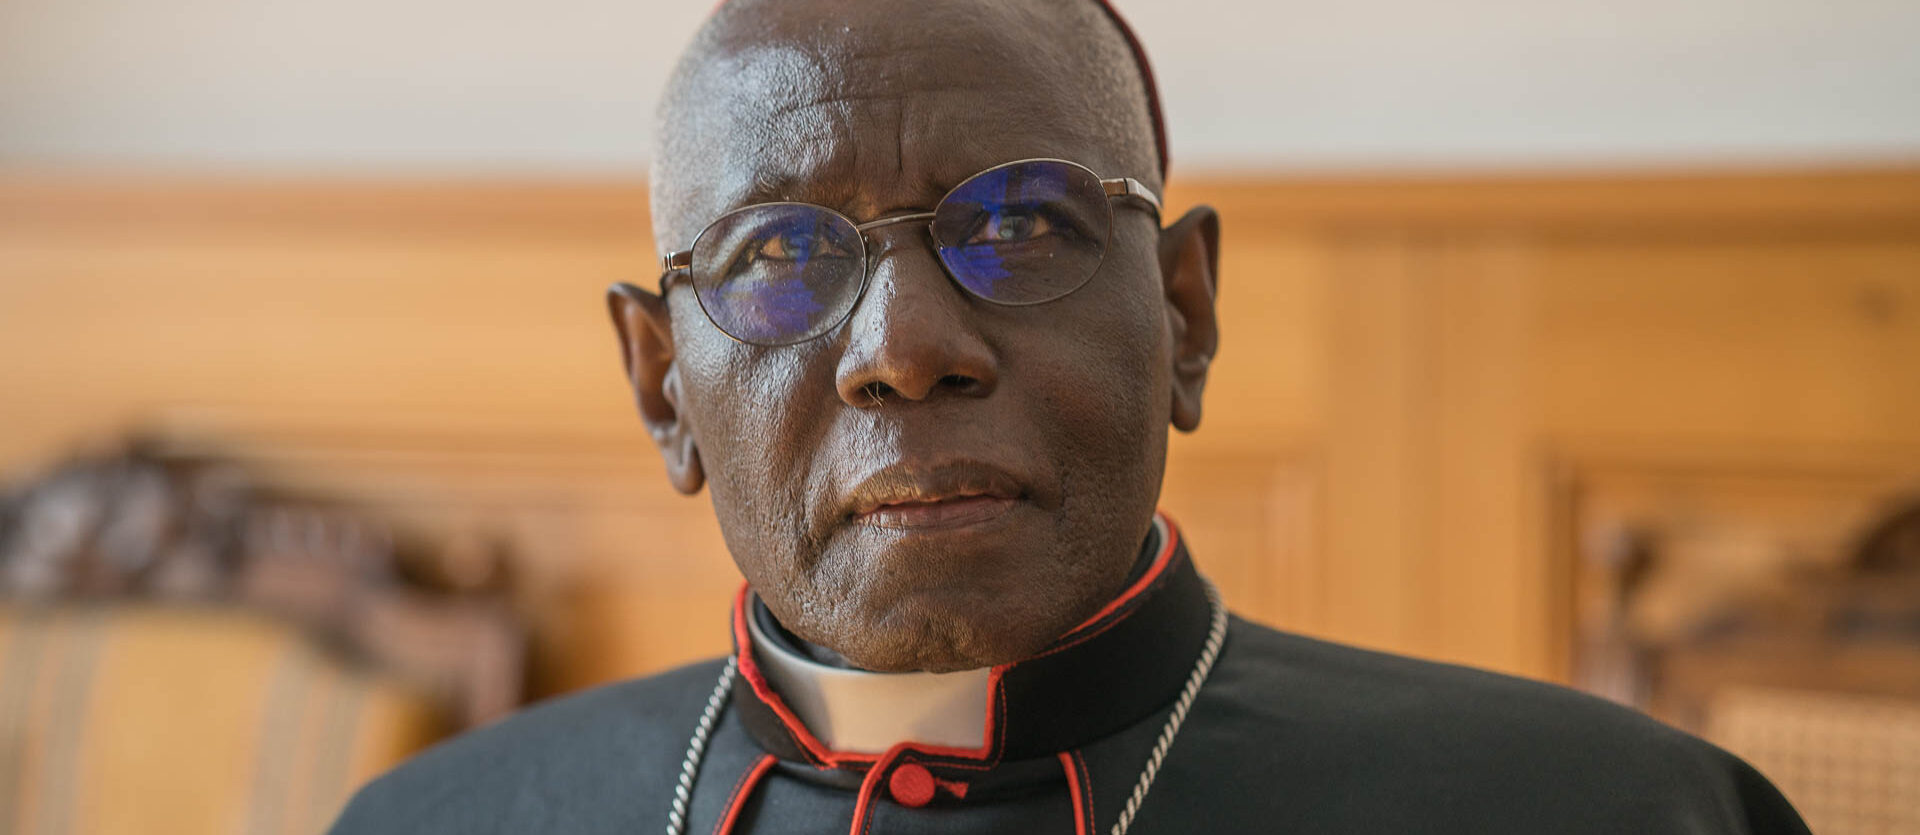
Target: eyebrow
x,y
794,188
840,195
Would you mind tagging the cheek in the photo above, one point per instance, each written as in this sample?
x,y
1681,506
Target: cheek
x,y
1114,347
756,459
1104,385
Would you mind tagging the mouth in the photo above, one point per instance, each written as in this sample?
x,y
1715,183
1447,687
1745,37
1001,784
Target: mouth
x,y
953,495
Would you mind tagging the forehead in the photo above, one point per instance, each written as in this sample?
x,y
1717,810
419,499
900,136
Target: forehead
x,y
872,117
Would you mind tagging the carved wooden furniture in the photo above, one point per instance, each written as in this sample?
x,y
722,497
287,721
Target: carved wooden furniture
x,y
184,649
1774,610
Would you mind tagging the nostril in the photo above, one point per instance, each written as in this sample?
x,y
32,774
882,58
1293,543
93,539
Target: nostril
x,y
959,382
877,393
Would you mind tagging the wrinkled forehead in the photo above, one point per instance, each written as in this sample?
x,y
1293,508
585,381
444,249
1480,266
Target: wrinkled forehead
x,y
874,118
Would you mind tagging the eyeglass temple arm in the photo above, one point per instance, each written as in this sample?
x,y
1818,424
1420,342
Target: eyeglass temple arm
x,y
674,265
1130,187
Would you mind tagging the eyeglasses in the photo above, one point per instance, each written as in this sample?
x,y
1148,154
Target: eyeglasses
x,y
1019,233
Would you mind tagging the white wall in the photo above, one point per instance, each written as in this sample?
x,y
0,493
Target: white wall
x,y
568,85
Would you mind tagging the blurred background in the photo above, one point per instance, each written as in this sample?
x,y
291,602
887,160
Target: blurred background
x,y
1577,341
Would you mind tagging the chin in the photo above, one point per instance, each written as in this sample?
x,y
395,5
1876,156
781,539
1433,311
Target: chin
x,y
943,631
893,601
944,654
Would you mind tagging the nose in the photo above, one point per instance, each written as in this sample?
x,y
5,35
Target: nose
x,y
914,334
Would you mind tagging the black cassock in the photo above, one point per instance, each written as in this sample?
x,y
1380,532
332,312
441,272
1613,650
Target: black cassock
x,y
1289,734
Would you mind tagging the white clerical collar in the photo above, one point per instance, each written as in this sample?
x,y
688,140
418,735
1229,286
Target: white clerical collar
x,y
865,712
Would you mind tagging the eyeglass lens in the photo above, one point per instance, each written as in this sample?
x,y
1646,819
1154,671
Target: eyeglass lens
x,y
778,273
1023,233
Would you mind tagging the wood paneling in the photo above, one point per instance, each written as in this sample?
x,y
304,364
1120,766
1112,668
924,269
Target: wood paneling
x,y
1403,364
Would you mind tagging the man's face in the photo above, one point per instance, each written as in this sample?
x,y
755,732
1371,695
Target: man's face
x,y
940,482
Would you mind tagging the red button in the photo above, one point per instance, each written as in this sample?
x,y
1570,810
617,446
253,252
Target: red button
x,y
911,785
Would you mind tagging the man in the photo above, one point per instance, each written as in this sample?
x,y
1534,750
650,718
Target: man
x,y
921,334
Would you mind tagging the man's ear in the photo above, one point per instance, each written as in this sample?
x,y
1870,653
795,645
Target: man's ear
x,y
1189,266
645,327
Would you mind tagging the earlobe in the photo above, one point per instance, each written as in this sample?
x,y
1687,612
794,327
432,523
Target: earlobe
x,y
676,442
1189,267
645,328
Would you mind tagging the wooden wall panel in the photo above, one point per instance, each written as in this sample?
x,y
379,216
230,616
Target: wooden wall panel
x,y
1430,499
1266,386
1809,338
1405,364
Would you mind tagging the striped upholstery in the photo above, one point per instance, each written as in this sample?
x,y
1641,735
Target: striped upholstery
x,y
159,720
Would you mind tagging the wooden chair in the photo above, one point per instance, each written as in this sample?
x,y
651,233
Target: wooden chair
x,y
184,650
1807,664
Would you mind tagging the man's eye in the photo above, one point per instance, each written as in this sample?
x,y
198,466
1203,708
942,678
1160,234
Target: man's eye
x,y
1010,227
797,246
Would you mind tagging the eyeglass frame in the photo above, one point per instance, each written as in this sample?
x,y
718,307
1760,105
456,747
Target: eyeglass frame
x,y
677,266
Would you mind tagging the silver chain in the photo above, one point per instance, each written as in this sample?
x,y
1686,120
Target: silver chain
x,y
1216,636
696,749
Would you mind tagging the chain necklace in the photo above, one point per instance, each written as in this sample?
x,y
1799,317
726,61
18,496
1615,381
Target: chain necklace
x,y
1216,635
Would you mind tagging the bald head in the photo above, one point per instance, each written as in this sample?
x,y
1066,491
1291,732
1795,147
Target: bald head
x,y
871,105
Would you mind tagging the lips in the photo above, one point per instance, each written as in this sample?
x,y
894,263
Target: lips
x,y
949,495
